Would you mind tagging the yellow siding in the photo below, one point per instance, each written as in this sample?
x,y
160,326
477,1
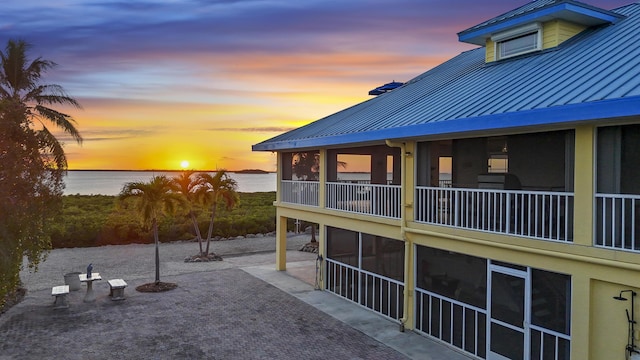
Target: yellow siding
x,y
567,30
491,51
584,185
556,32
608,325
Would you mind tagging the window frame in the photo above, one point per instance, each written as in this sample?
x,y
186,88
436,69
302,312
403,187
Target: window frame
x,y
500,38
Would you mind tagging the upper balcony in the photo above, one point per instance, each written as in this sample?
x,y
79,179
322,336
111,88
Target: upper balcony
x,y
617,200
364,180
518,185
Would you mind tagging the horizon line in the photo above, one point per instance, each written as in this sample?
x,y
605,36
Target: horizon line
x,y
172,170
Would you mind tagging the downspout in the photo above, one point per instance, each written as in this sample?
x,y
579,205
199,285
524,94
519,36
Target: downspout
x,y
403,223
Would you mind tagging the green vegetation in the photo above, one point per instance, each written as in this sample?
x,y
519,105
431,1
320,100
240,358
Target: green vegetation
x,y
98,220
32,161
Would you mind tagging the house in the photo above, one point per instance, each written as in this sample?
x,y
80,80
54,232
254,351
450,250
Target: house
x,y
501,211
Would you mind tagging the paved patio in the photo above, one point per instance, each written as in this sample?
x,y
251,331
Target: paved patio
x,y
238,308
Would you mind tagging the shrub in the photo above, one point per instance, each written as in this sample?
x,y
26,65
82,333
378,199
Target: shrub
x,y
95,220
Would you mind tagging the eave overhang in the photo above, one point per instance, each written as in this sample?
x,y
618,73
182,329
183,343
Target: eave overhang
x,y
569,11
535,118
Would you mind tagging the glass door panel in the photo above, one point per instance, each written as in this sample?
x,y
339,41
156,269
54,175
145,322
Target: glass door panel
x,y
508,315
507,299
506,343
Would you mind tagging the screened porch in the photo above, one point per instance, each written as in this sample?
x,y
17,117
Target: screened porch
x,y
517,184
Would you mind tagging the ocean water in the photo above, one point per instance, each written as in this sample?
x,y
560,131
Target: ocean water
x,y
111,182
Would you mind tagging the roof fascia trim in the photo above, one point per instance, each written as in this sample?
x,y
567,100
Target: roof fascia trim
x,y
556,115
477,36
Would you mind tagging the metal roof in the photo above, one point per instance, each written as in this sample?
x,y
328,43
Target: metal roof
x,y
595,75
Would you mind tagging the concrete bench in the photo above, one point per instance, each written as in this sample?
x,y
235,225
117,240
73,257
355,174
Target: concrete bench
x,y
116,289
60,292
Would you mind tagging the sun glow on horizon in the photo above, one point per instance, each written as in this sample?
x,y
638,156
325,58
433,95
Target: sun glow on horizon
x,y
184,164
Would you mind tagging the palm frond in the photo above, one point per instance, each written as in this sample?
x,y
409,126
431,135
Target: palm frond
x,y
51,94
52,147
152,198
61,120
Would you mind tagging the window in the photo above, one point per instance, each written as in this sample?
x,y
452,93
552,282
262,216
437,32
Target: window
x,y
518,41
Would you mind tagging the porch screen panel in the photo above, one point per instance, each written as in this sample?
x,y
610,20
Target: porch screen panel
x,y
618,199
456,276
342,246
550,315
366,269
383,256
445,313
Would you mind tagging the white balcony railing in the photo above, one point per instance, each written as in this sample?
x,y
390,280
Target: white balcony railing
x,y
547,344
374,291
451,321
463,326
369,199
300,192
617,221
537,214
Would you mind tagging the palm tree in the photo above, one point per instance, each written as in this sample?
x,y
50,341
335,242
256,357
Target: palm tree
x,y
27,102
217,189
188,186
32,161
306,165
154,198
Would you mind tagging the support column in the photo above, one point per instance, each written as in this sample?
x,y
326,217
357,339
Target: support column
x,y
324,170
584,188
580,315
408,182
281,243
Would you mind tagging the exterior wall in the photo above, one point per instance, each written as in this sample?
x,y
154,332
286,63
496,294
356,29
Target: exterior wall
x,y
608,325
554,33
598,322
584,186
490,54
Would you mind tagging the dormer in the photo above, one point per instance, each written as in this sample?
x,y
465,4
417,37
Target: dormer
x,y
538,25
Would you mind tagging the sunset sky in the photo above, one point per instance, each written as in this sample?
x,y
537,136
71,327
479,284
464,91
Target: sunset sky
x,y
162,82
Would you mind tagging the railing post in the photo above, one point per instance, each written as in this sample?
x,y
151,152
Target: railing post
x,y
508,214
456,208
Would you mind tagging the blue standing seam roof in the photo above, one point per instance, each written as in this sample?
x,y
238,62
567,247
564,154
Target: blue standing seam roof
x,y
593,76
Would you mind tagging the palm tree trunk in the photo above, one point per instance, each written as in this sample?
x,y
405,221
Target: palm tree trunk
x,y
197,229
157,241
210,231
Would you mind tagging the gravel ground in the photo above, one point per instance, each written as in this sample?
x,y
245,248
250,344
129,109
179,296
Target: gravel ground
x,y
137,261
